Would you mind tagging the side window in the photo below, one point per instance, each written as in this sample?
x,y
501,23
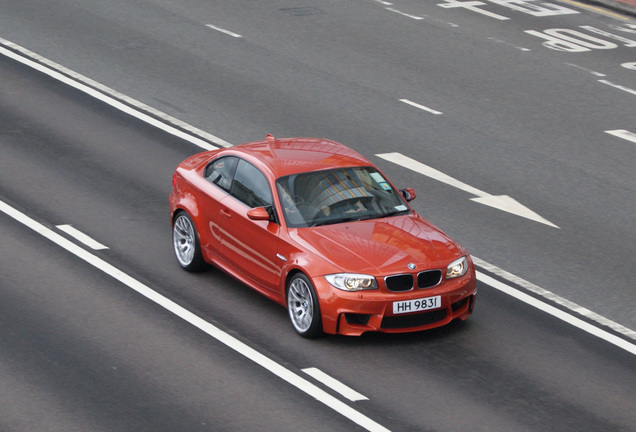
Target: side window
x,y
250,186
220,172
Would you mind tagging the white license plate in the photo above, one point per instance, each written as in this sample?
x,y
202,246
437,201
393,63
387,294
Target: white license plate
x,y
417,305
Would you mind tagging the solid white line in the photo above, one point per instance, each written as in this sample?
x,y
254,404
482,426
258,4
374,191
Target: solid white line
x,y
422,107
78,235
222,30
335,385
622,133
111,97
554,298
218,334
562,315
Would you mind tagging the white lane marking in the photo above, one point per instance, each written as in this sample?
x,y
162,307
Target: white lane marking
x,y
622,133
631,65
500,202
509,44
218,334
618,86
587,70
113,98
422,107
415,17
334,384
222,30
78,235
562,315
556,299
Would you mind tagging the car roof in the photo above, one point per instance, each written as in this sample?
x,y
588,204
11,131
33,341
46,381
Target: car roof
x,y
286,156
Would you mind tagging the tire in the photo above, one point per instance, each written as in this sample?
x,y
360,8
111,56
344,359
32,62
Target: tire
x,y
185,241
303,307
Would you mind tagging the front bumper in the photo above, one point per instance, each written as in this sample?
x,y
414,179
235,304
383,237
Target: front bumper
x,y
353,313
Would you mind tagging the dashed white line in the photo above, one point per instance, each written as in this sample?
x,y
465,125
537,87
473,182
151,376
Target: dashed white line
x,y
222,30
587,70
422,107
509,44
230,341
622,133
78,235
334,384
415,17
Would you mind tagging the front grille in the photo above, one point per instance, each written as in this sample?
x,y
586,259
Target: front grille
x,y
429,278
413,320
399,282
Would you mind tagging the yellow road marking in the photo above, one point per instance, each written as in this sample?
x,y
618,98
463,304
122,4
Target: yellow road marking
x,y
597,9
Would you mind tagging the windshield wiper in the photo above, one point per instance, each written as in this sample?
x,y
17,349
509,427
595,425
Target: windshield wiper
x,y
393,213
337,221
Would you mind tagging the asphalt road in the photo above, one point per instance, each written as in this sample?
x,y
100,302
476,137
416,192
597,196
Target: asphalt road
x,y
529,124
81,351
518,118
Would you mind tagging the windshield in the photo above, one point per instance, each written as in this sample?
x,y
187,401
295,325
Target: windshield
x,y
339,195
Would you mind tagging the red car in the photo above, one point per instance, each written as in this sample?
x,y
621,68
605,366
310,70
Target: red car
x,y
316,227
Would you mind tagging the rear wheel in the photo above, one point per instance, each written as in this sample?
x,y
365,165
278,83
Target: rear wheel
x,y
186,243
303,307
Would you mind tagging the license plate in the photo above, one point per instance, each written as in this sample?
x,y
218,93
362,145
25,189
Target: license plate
x,y
417,305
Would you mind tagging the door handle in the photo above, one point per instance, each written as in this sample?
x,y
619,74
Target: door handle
x,y
226,213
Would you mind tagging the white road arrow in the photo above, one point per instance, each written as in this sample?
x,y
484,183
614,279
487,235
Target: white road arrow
x,y
501,202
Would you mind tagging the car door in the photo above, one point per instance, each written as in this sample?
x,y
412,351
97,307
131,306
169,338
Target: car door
x,y
250,246
219,176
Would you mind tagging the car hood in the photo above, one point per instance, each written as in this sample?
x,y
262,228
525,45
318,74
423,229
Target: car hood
x,y
380,246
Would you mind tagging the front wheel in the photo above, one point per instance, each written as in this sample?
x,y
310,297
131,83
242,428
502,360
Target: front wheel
x,y
186,243
303,307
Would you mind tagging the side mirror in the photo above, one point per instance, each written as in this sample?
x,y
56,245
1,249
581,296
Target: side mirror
x,y
258,213
408,194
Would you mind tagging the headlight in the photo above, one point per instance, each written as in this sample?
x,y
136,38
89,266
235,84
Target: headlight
x,y
352,282
457,268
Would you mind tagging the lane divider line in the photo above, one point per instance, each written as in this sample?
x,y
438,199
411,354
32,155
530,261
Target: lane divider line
x,y
422,107
113,98
555,299
397,11
334,384
213,331
222,30
80,236
557,313
618,86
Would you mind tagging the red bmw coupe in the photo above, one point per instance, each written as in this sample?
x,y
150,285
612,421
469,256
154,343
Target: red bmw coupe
x,y
316,227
